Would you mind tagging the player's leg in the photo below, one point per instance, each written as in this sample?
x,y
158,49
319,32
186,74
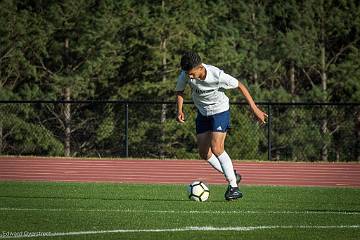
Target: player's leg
x,y
220,124
204,146
203,131
217,147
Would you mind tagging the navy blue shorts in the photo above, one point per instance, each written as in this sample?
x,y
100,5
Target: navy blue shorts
x,y
219,122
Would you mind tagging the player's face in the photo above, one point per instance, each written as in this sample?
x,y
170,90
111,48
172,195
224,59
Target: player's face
x,y
197,73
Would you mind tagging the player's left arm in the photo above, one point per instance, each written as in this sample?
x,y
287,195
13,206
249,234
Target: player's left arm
x,y
261,116
226,81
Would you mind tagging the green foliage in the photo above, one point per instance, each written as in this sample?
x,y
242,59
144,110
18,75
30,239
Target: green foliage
x,y
240,145
181,138
284,51
28,138
106,128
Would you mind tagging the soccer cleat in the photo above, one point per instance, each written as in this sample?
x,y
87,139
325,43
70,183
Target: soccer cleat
x,y
238,177
233,193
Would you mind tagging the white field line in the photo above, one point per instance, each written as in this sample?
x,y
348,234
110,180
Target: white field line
x,y
7,235
179,212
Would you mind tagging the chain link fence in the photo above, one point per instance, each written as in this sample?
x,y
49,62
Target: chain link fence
x,y
294,132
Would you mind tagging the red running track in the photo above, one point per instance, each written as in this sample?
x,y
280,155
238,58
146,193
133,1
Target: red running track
x,y
176,171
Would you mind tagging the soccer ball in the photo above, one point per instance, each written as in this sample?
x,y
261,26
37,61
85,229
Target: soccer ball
x,y
198,191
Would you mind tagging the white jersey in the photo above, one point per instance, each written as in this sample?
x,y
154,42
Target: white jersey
x,y
208,95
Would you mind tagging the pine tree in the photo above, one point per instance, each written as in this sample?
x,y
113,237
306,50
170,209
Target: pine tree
x,y
240,43
22,40
160,32
68,49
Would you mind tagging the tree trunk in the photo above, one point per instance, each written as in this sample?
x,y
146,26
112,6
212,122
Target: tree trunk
x,y
324,125
292,91
277,155
1,137
254,30
67,117
255,77
163,106
67,109
357,136
292,78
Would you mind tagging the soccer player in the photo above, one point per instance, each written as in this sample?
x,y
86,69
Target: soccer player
x,y
208,84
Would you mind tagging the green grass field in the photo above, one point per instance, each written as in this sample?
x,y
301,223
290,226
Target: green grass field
x,y
126,211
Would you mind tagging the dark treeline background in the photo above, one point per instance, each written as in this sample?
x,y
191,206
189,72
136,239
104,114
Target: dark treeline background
x,y
284,51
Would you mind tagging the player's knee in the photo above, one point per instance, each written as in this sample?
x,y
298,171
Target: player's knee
x,y
205,155
217,150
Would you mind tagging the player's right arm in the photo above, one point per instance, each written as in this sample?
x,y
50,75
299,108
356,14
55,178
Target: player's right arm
x,y
180,87
180,101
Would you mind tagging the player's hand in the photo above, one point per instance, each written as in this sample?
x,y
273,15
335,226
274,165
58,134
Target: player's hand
x,y
181,117
261,116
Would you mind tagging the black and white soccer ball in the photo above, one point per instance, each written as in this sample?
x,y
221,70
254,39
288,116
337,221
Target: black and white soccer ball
x,y
198,191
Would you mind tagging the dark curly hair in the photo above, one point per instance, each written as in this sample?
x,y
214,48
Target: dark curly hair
x,y
190,60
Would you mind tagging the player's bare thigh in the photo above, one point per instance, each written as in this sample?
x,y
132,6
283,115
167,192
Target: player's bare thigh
x,y
217,142
204,145
211,143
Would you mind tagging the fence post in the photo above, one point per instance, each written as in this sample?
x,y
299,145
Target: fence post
x,y
269,130
126,130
